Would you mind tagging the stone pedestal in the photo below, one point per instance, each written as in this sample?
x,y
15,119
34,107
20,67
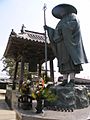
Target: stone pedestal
x,y
81,97
68,98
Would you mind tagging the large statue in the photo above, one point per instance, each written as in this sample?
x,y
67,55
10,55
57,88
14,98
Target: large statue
x,y
66,42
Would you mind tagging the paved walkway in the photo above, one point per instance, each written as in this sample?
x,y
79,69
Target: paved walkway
x,y
5,112
83,114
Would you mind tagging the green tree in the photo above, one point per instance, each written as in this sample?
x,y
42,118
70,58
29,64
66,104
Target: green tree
x,y
9,67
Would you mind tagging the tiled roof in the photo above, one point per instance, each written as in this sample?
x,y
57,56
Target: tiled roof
x,y
33,36
30,44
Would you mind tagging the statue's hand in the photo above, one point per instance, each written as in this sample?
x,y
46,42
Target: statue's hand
x,y
45,27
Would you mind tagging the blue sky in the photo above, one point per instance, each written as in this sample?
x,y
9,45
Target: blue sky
x,y
14,13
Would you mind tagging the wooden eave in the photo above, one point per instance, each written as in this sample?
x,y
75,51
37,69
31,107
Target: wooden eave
x,y
29,48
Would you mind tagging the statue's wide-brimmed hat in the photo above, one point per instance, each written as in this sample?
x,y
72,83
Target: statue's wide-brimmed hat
x,y
57,10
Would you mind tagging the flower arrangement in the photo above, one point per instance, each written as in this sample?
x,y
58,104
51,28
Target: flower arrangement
x,y
38,88
25,87
41,90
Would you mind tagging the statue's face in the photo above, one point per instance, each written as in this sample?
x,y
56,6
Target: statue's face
x,y
62,12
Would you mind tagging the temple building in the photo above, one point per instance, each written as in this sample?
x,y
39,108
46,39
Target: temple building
x,y
29,47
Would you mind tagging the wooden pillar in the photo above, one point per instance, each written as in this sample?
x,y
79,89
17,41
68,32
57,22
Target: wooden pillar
x,y
22,71
15,74
51,70
29,74
39,71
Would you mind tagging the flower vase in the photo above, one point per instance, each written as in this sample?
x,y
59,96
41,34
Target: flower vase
x,y
39,106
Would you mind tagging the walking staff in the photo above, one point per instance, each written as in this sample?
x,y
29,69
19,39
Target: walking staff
x,y
44,8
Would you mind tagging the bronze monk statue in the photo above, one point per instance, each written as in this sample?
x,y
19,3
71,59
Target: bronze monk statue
x,y
66,42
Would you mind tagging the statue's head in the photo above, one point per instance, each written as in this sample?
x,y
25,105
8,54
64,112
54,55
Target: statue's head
x,y
61,10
